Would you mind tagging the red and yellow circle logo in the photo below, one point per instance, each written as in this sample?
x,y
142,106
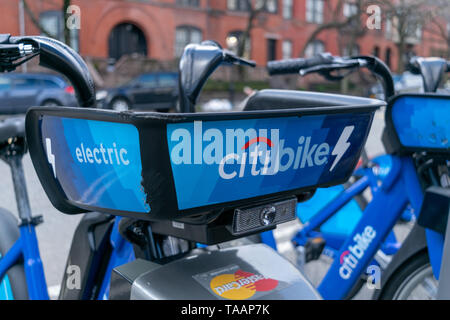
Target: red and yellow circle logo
x,y
241,285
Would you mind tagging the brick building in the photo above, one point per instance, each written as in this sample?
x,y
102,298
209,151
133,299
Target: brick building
x,y
160,29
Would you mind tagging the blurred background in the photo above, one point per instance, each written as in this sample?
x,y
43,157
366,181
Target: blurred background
x,y
133,46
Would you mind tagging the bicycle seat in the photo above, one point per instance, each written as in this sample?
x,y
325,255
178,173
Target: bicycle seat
x,y
11,128
288,99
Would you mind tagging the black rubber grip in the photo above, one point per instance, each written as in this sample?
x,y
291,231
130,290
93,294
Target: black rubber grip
x,y
58,56
292,66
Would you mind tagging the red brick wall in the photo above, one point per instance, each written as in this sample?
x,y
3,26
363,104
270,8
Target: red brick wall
x,y
158,20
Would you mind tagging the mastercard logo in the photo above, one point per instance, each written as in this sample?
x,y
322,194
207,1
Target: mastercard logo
x,y
241,285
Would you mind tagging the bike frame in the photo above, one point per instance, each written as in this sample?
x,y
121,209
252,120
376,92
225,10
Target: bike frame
x,y
27,246
333,242
122,253
399,188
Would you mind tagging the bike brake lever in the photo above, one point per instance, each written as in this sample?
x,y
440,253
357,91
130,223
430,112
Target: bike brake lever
x,y
233,59
12,52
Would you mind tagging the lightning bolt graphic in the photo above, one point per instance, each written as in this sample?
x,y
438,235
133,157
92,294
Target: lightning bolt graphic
x,y
342,145
50,155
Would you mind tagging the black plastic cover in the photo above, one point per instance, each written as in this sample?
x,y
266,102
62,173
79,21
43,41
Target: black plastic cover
x,y
168,166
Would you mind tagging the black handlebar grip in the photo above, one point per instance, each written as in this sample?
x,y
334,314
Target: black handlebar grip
x,y
288,66
63,59
293,66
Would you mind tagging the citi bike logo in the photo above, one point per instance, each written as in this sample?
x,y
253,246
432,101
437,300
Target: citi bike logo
x,y
266,156
350,258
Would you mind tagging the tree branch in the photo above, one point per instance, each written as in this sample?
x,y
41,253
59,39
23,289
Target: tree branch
x,y
35,20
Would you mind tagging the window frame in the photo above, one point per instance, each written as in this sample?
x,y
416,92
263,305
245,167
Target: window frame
x,y
352,9
241,6
290,7
178,51
287,41
314,11
74,33
315,43
188,3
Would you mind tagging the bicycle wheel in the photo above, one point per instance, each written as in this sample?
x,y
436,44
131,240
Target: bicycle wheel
x,y
14,285
414,280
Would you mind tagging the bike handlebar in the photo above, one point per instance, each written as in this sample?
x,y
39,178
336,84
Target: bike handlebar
x,y
293,66
54,55
325,63
197,63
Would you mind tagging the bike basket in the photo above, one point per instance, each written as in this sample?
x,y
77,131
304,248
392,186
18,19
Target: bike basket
x,y
156,166
418,122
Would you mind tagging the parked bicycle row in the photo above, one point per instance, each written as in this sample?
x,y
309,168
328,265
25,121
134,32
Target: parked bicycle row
x,y
162,192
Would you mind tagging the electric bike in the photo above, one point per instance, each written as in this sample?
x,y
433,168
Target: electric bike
x,y
400,183
96,242
175,180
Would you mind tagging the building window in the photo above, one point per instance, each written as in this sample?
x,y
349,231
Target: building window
x,y
388,57
350,9
271,49
286,49
233,40
185,35
126,39
53,23
415,30
270,6
376,51
353,52
188,3
314,48
314,11
388,29
237,5
288,9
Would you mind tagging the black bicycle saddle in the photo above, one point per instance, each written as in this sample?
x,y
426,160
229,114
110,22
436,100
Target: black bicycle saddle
x,y
12,128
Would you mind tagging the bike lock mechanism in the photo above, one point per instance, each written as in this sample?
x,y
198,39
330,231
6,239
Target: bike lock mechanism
x,y
251,219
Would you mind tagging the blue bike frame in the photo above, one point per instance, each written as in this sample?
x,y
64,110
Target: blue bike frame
x,y
122,253
399,188
334,241
26,247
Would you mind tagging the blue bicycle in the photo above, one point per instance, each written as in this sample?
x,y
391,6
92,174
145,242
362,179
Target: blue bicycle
x,y
97,244
393,181
176,180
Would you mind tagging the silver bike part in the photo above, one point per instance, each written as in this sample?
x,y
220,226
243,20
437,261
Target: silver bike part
x,y
420,285
248,272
